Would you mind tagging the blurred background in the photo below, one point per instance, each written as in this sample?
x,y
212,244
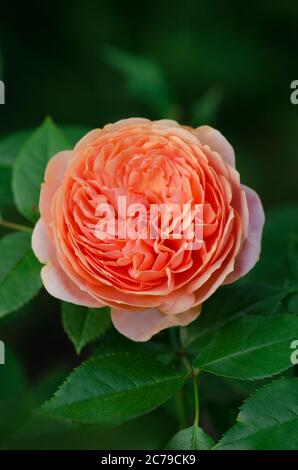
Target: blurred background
x,y
87,63
229,64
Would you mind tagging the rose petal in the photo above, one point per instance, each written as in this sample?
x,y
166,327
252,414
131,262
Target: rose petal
x,y
54,175
167,123
177,303
251,248
43,248
61,287
141,326
217,142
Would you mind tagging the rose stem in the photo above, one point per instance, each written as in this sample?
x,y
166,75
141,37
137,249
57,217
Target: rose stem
x,y
12,225
197,409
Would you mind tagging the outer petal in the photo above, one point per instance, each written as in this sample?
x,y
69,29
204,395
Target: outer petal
x,y
133,121
54,175
177,302
141,326
167,123
217,142
87,139
60,286
251,248
95,134
41,244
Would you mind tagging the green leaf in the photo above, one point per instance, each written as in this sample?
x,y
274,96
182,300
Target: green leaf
x,y
83,324
11,145
268,420
249,348
113,389
190,439
19,272
29,168
228,304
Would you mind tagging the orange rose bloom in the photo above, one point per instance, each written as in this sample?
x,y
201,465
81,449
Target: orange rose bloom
x,y
150,284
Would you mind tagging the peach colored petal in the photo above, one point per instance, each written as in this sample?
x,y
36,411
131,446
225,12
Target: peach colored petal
x,y
123,123
54,175
225,244
93,135
141,326
217,142
58,284
167,123
219,275
87,139
251,248
177,302
42,246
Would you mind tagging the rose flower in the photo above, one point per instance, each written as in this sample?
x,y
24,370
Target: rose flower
x,y
149,283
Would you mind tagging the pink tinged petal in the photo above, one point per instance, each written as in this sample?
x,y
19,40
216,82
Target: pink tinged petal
x,y
141,326
54,175
42,246
219,276
177,303
61,287
95,134
216,141
87,139
215,279
250,251
128,122
166,123
225,245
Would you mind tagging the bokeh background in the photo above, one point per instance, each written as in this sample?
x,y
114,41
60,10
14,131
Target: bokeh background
x,y
226,63
87,63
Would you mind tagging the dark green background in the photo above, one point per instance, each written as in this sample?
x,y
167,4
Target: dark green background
x,y
55,61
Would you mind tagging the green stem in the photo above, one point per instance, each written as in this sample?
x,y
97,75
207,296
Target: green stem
x,y
197,410
197,401
194,376
182,420
12,225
